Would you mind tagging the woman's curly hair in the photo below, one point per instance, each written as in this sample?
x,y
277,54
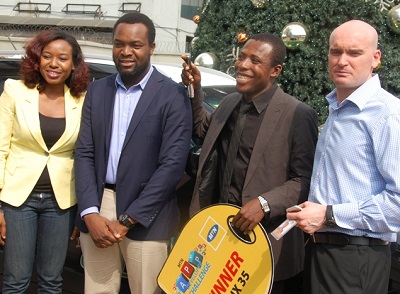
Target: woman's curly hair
x,y
30,73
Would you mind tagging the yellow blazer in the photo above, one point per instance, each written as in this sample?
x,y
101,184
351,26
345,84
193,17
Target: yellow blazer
x,y
23,152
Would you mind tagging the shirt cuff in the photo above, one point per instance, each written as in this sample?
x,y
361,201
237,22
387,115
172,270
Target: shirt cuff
x,y
93,209
345,212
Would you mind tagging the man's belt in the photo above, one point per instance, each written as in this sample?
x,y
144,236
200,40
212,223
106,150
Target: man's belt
x,y
343,239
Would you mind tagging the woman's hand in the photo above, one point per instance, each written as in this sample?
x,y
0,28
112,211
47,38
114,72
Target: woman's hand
x,y
2,228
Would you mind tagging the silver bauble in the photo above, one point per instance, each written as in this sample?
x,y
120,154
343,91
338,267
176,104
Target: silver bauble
x,y
207,59
393,19
294,34
260,3
193,42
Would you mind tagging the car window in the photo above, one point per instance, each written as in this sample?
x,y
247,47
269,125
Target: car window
x,y
213,95
98,71
9,68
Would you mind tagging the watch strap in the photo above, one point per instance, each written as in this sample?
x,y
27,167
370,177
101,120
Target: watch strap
x,y
264,204
124,220
329,217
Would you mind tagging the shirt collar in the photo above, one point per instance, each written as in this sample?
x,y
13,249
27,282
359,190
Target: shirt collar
x,y
359,97
141,84
262,100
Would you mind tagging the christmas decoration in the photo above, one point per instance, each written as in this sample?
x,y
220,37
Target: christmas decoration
x,y
242,37
294,34
193,42
393,19
207,59
384,5
196,18
259,3
304,74
376,68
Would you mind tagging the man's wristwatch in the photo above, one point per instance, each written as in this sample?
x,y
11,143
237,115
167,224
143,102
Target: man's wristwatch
x,y
329,218
124,220
264,205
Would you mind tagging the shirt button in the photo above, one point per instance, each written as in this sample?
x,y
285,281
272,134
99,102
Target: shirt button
x,y
46,153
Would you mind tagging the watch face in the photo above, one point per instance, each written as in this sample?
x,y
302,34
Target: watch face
x,y
265,206
123,219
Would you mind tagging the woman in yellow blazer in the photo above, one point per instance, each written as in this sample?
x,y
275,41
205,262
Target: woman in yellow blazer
x,y
39,123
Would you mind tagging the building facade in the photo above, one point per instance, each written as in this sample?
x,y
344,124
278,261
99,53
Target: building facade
x,y
91,23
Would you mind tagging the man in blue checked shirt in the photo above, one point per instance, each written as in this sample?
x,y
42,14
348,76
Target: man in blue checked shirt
x,y
354,201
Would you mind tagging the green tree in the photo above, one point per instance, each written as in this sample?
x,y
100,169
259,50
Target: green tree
x,y
305,73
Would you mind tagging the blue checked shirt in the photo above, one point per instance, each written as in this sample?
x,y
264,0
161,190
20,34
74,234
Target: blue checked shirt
x,y
357,163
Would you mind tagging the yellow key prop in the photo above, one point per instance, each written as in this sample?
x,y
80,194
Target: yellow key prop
x,y
211,257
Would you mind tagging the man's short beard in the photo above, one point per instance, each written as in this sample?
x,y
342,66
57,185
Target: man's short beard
x,y
138,71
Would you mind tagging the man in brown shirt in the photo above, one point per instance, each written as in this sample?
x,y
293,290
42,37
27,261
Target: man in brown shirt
x,y
273,163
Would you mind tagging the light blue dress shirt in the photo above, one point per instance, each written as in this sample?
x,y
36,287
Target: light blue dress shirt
x,y
124,108
357,163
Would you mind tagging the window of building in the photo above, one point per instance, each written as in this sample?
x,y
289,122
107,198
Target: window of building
x,y
32,7
189,8
188,43
130,7
82,9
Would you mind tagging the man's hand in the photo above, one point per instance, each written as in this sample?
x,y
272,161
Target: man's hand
x,y
190,74
311,218
75,236
104,232
120,230
2,229
248,216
